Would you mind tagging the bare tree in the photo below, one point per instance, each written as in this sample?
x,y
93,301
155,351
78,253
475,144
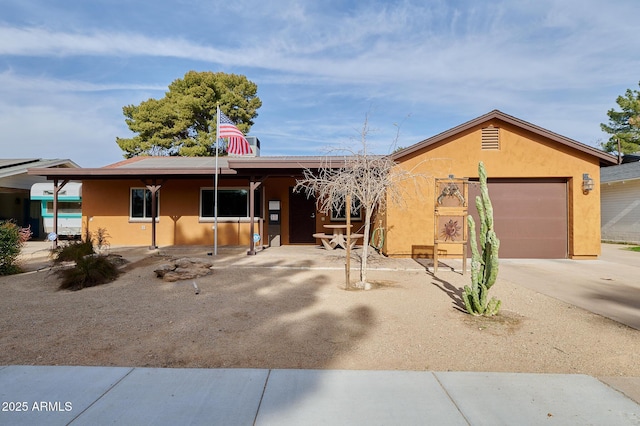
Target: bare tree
x,y
369,179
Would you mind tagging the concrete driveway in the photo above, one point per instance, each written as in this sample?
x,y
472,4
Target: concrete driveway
x,y
608,286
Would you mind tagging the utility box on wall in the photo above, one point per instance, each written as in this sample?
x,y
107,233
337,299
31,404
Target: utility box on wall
x,y
275,219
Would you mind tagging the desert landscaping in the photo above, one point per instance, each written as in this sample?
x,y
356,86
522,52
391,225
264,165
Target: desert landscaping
x,y
287,308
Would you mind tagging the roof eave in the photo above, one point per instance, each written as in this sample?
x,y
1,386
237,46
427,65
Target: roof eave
x,y
123,173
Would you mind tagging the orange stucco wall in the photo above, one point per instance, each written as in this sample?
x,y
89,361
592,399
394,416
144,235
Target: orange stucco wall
x,y
522,154
106,205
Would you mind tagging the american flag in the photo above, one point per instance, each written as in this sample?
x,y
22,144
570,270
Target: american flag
x,y
238,144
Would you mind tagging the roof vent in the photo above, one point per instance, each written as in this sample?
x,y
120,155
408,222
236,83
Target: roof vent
x,y
491,138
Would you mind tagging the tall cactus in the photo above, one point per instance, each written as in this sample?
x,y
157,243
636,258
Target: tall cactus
x,y
484,267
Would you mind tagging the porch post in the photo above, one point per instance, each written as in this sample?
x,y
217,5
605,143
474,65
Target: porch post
x,y
56,189
154,187
252,187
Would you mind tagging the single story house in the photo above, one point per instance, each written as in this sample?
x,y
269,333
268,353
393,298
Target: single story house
x,y
620,197
536,184
15,186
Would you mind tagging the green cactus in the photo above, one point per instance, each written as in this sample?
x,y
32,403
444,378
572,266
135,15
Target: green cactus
x,y
484,266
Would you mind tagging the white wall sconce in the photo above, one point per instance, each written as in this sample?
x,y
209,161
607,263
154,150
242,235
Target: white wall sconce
x,y
587,183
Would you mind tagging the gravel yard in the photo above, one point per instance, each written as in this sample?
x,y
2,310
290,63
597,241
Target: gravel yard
x,y
292,311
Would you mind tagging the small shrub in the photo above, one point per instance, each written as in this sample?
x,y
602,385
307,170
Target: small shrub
x,y
89,271
101,237
12,239
25,235
73,251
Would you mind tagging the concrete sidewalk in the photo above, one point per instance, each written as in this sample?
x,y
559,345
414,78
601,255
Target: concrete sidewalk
x,y
108,395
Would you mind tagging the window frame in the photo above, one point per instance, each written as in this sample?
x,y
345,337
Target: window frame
x,y
65,208
247,218
355,217
144,218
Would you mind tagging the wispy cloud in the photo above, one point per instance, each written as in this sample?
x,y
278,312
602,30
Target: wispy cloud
x,y
321,65
415,45
13,82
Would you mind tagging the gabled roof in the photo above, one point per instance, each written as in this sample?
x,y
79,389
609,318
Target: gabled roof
x,y
621,172
605,158
16,166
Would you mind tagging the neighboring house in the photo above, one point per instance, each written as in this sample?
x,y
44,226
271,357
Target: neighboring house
x,y
536,179
620,196
69,208
15,184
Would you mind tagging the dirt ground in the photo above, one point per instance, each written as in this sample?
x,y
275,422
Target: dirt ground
x,y
284,315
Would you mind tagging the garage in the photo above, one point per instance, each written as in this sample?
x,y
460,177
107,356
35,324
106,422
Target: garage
x,y
530,215
544,189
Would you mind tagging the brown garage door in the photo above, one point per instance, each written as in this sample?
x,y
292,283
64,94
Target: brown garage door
x,y
530,217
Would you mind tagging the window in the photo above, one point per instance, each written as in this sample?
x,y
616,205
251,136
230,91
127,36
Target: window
x,y
491,138
356,214
141,204
65,207
232,203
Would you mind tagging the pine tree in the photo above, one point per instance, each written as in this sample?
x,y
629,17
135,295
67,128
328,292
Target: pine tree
x,y
624,125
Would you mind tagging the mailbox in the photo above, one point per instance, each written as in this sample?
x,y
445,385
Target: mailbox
x,y
274,223
274,212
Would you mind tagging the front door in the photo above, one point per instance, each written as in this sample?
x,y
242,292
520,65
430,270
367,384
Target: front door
x,y
302,218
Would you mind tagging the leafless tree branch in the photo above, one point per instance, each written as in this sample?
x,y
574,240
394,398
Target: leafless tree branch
x,y
371,180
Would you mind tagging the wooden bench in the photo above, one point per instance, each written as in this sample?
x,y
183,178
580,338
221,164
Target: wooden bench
x,y
328,241
354,240
331,241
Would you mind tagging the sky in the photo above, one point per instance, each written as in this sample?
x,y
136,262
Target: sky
x,y
411,68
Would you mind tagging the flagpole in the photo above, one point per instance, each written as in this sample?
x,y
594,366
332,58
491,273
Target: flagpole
x,y
215,186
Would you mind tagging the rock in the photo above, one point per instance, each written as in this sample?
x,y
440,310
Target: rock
x,y
163,269
116,259
171,277
190,262
184,269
